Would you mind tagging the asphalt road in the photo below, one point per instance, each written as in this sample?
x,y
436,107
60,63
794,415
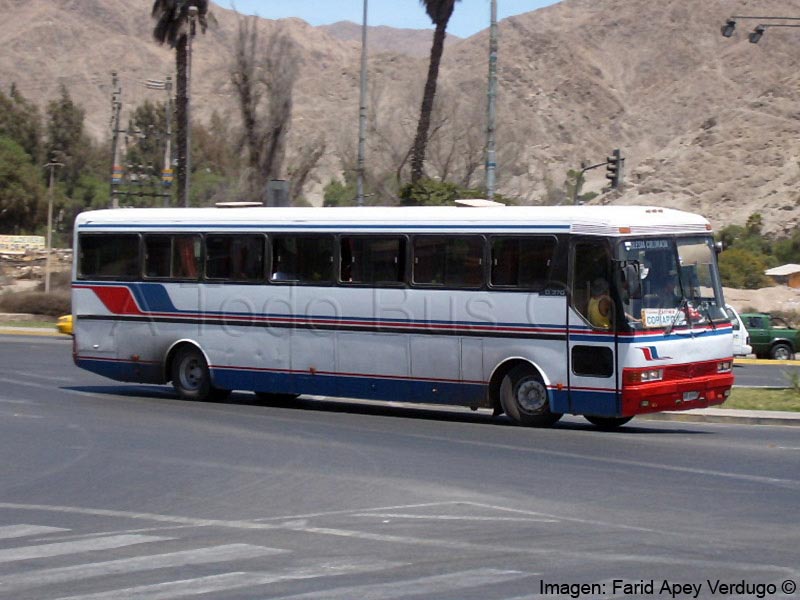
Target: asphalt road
x,y
119,491
767,375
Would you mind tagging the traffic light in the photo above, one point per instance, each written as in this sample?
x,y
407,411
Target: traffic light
x,y
614,169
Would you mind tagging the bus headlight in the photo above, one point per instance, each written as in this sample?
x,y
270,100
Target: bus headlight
x,y
724,366
652,375
644,376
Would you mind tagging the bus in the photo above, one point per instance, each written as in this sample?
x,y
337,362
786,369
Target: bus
x,y
536,312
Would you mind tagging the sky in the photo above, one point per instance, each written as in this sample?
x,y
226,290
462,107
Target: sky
x,y
470,16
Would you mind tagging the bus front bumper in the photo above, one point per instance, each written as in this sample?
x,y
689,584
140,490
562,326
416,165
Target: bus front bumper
x,y
680,394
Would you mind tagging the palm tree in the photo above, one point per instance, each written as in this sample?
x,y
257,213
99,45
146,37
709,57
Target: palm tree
x,y
172,27
440,12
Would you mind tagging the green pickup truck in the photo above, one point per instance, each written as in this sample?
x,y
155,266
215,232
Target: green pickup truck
x,y
771,337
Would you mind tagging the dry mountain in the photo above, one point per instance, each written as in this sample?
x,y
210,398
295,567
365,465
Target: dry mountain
x,y
707,123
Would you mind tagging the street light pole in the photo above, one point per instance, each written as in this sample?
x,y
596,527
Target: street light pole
x,y
362,113
491,151
52,165
116,109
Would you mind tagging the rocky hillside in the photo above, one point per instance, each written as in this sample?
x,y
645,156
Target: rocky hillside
x,y
707,123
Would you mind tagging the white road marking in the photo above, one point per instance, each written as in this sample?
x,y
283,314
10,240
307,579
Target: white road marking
x,y
216,554
452,517
64,548
18,531
231,581
423,587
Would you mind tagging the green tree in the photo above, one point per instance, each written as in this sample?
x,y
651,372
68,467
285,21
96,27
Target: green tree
x,y
337,193
22,193
741,268
439,12
65,138
20,121
172,27
149,121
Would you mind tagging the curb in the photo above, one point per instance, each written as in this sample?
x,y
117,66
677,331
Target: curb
x,y
31,331
742,419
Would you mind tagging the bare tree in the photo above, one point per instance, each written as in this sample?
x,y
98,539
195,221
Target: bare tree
x,y
264,75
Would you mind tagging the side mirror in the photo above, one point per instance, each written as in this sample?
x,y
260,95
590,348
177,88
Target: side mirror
x,y
718,247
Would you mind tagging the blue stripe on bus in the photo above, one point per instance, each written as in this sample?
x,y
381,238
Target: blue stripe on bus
x,y
593,402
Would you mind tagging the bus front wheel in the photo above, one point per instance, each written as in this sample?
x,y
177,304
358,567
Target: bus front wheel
x,y
191,377
524,398
607,423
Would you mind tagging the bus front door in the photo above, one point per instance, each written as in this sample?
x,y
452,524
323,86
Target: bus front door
x,y
591,337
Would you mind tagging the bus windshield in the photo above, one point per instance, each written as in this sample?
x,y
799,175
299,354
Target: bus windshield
x,y
679,283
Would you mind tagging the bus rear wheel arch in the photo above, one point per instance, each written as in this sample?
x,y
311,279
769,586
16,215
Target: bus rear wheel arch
x,y
190,375
522,394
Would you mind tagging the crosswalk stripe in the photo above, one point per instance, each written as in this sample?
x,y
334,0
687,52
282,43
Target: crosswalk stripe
x,y
231,581
63,548
425,586
42,577
18,531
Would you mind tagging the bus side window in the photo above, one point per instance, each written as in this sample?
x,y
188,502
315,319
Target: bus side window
x,y
372,260
186,257
522,262
157,255
452,261
302,259
235,257
103,256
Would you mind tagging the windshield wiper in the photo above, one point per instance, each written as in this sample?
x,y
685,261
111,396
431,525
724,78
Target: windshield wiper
x,y
681,306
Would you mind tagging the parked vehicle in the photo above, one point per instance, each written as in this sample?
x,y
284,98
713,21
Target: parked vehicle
x,y
741,337
770,336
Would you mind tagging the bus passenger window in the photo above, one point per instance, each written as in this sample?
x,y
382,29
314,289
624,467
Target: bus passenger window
x,y
522,262
448,261
235,257
172,256
302,259
372,260
103,256
186,257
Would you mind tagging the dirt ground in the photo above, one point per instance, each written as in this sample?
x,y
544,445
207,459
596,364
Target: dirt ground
x,y
770,299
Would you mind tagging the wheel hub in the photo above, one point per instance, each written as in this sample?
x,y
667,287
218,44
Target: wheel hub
x,y
531,396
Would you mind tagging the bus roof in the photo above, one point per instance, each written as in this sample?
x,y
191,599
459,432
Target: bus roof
x,y
592,220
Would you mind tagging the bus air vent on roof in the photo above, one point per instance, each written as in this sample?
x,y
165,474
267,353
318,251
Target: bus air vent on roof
x,y
237,204
473,203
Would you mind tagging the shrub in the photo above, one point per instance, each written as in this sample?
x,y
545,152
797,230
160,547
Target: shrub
x,y
37,303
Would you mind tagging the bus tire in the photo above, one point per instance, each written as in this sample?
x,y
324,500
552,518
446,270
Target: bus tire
x,y
191,377
524,398
607,423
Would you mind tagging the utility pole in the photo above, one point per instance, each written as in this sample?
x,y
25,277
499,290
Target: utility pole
x,y
166,174
491,151
362,112
52,165
193,10
116,109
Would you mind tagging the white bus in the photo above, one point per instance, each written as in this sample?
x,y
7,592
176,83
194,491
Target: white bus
x,y
606,312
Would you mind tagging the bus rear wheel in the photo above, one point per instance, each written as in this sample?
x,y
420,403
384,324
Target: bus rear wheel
x,y
524,398
191,377
607,423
